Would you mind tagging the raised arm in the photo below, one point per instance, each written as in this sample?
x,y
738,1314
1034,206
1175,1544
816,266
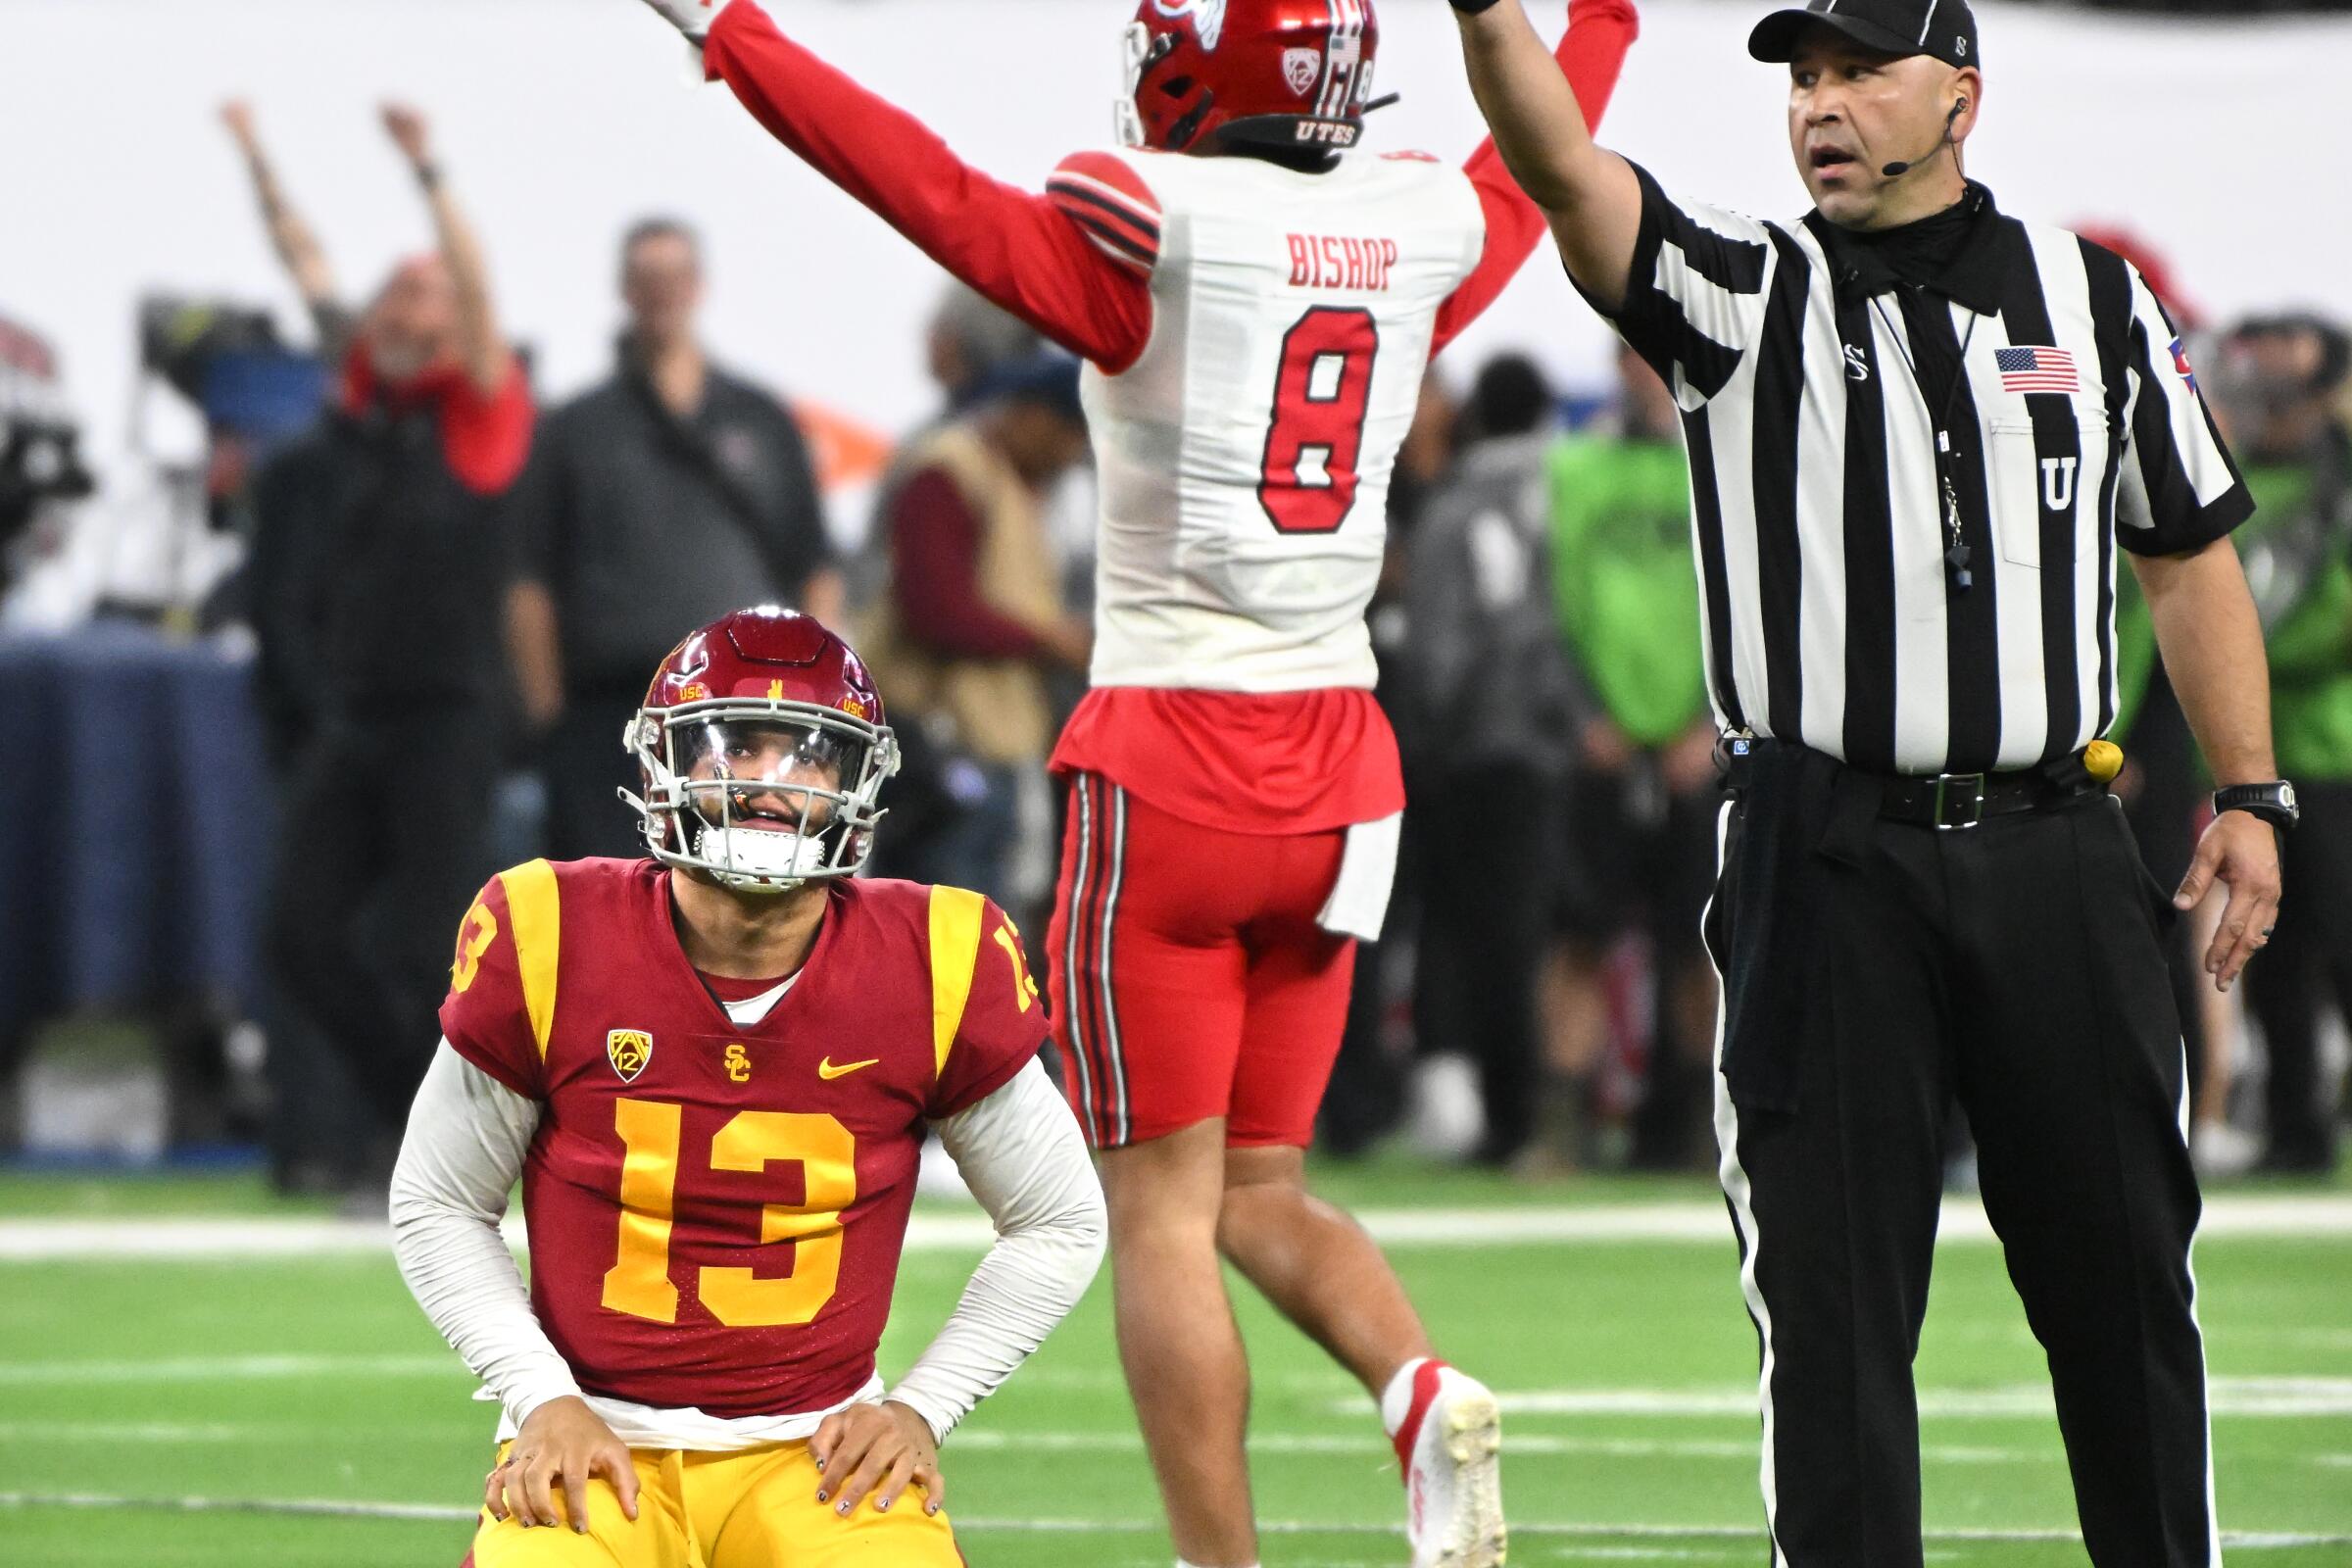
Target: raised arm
x,y
290,236
1019,249
1590,54
1590,196
483,351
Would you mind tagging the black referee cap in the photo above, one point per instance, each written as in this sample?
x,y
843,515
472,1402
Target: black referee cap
x,y
1945,30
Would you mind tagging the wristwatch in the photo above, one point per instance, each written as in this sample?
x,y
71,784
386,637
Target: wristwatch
x,y
2273,802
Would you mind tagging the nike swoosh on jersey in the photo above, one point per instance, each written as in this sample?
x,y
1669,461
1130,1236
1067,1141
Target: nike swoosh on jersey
x,y
826,1069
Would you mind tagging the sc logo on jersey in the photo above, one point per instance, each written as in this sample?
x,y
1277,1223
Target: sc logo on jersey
x,y
629,1050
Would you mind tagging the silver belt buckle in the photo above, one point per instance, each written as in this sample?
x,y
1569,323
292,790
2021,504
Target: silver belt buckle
x,y
1963,791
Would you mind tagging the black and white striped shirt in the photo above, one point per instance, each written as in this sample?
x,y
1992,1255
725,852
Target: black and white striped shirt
x,y
1814,388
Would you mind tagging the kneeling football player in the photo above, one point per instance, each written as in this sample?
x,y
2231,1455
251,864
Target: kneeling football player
x,y
711,1070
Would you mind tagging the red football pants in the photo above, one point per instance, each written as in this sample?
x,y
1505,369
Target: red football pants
x,y
1190,979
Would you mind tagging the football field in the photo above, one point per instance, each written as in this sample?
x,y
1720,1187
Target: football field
x,y
190,1374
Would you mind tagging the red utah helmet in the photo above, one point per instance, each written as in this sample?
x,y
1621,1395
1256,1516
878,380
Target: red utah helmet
x,y
763,747
1290,73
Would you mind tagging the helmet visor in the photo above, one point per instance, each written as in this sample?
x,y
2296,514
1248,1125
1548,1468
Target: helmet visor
x,y
763,773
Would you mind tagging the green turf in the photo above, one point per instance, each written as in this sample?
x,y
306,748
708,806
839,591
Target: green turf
x,y
318,1381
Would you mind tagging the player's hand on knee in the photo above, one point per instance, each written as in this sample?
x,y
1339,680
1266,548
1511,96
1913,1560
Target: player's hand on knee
x,y
876,1449
494,1489
565,1444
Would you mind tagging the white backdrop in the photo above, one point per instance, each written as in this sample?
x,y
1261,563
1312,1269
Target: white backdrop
x,y
561,119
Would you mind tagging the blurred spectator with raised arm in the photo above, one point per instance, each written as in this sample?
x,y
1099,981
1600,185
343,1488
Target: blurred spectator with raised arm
x,y
973,617
382,562
666,496
1493,704
2277,392
1641,841
292,240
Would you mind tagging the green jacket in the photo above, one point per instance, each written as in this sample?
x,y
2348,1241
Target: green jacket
x,y
2297,551
1625,587
2298,555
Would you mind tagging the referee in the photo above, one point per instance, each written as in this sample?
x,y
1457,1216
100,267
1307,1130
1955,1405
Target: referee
x,y
1918,430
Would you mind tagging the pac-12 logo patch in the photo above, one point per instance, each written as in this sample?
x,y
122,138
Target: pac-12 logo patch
x,y
1301,69
629,1050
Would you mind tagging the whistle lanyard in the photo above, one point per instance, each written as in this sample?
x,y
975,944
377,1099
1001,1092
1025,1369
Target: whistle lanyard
x,y
1957,554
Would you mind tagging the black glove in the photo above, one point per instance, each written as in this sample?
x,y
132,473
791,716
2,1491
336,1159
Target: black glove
x,y
1471,8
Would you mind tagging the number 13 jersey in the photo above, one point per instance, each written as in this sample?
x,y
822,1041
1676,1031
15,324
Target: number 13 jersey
x,y
1244,458
716,1212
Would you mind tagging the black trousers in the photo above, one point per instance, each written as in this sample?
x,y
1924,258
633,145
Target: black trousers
x,y
1642,858
385,844
2307,966
1491,838
2016,967
584,766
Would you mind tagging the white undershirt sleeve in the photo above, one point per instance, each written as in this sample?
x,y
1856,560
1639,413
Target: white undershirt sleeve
x,y
466,1138
1023,1157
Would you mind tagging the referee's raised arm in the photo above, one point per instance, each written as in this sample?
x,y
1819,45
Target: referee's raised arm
x,y
1589,194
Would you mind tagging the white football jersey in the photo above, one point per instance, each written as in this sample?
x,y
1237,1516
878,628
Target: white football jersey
x,y
1245,459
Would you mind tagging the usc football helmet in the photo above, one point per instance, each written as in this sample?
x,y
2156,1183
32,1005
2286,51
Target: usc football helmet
x,y
762,749
1280,73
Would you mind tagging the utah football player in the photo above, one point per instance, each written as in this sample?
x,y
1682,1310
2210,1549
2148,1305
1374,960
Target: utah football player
x,y
712,1070
1256,308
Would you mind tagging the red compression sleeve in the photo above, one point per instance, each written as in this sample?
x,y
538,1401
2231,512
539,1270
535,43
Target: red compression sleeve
x,y
1600,32
1016,248
935,572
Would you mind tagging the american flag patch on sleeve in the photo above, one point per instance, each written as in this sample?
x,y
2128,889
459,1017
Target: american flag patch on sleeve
x,y
2031,370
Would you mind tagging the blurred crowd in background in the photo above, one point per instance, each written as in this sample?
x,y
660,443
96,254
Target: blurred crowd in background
x,y
425,596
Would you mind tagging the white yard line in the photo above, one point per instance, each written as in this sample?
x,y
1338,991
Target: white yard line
x,y
227,1369
2316,1216
1514,1442
1519,1442
440,1513
2233,1397
2230,1397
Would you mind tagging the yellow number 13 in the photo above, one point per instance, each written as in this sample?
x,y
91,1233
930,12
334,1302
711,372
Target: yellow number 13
x,y
638,1282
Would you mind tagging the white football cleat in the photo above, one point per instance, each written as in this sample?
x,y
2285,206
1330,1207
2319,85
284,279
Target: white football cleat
x,y
693,17
1449,1442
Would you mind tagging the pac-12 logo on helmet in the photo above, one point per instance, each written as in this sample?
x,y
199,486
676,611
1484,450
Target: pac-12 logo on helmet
x,y
1282,72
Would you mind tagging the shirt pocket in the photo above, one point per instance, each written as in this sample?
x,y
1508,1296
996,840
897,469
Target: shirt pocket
x,y
2039,490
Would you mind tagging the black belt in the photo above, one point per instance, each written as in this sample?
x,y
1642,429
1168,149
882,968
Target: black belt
x,y
1954,801
1950,802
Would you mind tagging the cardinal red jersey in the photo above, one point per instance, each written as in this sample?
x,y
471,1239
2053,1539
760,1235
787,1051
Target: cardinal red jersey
x,y
715,1212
